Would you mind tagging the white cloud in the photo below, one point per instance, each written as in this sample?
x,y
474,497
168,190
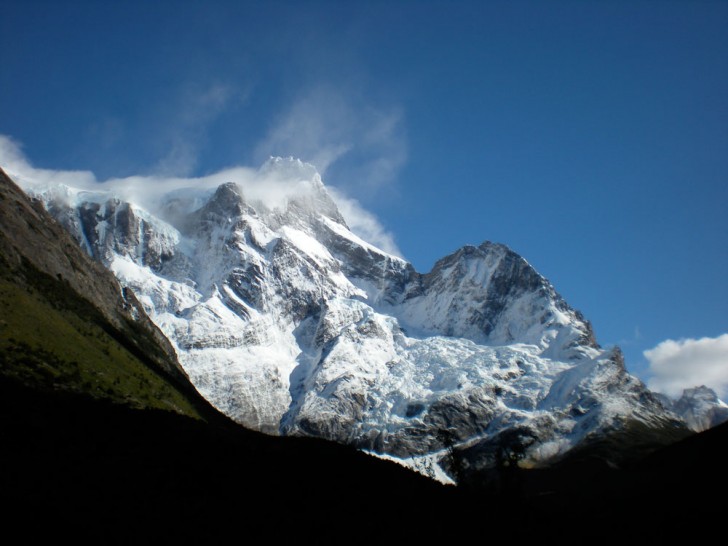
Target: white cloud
x,y
677,365
15,164
316,129
269,186
364,144
364,224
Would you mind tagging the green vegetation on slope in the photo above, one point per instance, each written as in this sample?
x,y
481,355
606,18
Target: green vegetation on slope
x,y
67,326
51,338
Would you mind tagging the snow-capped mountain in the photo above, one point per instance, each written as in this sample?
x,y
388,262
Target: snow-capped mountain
x,y
291,324
699,407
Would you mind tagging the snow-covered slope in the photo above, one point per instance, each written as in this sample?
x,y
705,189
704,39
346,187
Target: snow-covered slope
x,y
291,324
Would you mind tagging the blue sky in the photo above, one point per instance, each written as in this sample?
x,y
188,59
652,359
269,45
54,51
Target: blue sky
x,y
590,137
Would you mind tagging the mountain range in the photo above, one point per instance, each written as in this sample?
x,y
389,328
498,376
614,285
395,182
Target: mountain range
x,y
290,324
474,372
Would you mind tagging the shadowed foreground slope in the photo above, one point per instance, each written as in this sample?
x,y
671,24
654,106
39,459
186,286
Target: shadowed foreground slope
x,y
93,470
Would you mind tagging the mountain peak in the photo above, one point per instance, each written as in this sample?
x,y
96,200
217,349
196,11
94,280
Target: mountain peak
x,y
290,168
300,185
228,200
701,408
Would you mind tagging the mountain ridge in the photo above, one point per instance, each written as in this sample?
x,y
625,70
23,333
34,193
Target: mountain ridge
x,y
289,323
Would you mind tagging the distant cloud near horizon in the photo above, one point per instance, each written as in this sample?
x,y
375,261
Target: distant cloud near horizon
x,y
677,365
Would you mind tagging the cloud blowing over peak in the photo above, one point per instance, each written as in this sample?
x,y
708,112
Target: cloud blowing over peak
x,y
264,184
339,134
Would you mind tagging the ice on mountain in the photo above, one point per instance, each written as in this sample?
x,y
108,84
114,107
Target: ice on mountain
x,y
289,323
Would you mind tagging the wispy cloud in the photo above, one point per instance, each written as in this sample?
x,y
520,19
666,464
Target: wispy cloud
x,y
271,188
186,132
362,145
14,162
316,129
677,365
364,223
633,340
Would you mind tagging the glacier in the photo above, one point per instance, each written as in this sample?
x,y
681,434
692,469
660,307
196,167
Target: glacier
x,y
291,324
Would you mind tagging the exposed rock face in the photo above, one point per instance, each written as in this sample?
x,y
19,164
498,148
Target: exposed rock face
x,y
291,324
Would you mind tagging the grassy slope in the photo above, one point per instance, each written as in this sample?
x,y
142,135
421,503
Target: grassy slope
x,y
51,338
65,324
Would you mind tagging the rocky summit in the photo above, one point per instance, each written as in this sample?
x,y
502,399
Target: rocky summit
x,y
291,324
